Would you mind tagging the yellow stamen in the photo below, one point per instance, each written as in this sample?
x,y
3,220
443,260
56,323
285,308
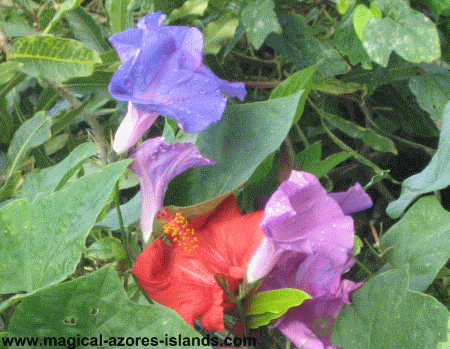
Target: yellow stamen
x,y
177,228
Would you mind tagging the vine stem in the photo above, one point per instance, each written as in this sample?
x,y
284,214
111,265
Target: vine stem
x,y
119,212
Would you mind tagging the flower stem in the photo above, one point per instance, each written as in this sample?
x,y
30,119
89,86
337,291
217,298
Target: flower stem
x,y
363,267
119,213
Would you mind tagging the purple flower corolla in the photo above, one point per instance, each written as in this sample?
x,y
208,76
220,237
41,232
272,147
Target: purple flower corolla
x,y
162,73
302,217
156,164
310,324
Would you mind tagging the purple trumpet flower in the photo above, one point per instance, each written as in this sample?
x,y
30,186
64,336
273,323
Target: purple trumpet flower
x,y
310,324
162,73
156,164
302,217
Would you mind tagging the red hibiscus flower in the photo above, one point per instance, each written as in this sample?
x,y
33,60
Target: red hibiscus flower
x,y
182,276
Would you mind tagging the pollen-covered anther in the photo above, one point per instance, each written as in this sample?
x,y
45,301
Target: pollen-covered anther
x,y
177,228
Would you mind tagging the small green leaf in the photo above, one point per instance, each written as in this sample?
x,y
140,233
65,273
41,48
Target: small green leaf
x,y
343,5
335,86
8,70
16,30
443,273
403,30
349,44
11,185
432,92
189,8
367,135
309,160
106,248
219,31
437,6
30,134
361,16
118,14
259,20
55,58
386,310
276,301
421,237
296,44
53,178
301,80
86,29
259,320
435,176
65,7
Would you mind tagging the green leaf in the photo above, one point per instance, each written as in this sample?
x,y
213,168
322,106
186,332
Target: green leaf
x,y
403,30
301,48
96,82
349,44
65,7
55,58
386,314
435,176
335,86
421,237
11,185
8,70
55,144
119,15
106,248
276,301
237,150
86,29
259,20
398,69
367,135
42,242
16,30
219,31
94,305
189,8
259,320
361,16
432,92
309,160
53,178
446,344
301,80
269,305
30,134
437,6
343,5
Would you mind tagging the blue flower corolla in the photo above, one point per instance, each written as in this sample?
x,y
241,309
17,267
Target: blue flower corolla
x,y
156,164
302,217
162,74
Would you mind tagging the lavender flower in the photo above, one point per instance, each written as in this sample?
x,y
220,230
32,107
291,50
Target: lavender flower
x,y
302,217
309,326
162,73
156,164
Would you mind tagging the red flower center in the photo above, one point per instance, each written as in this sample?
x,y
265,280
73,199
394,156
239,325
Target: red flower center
x,y
178,231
